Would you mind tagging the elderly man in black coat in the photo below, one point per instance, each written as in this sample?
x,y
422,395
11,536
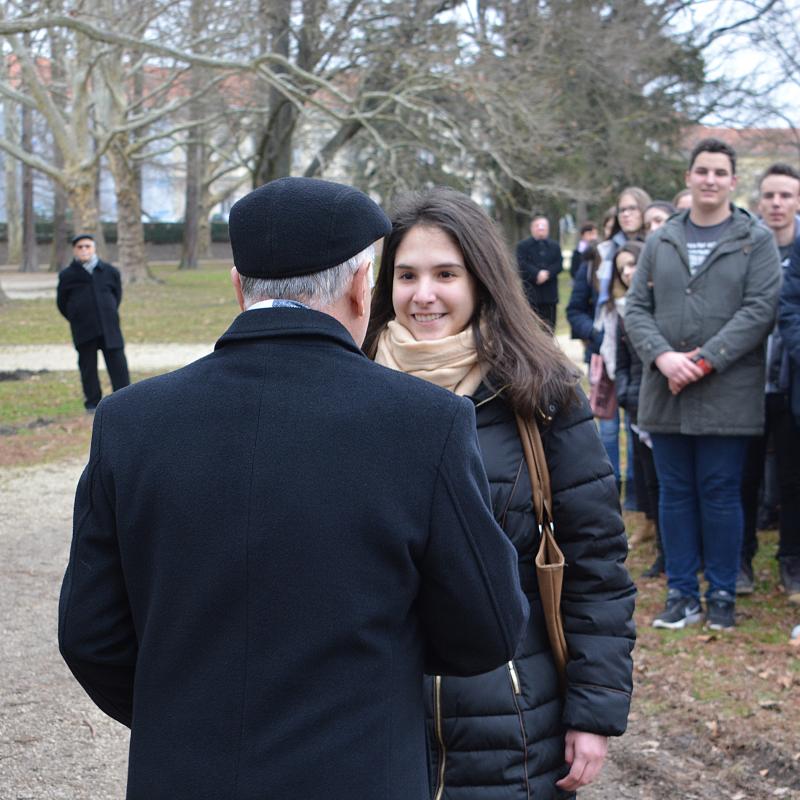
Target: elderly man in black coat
x,y
88,295
273,543
539,261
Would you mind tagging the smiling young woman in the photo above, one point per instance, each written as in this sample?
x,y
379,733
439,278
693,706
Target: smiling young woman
x,y
449,307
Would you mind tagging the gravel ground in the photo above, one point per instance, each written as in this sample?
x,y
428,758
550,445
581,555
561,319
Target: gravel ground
x,y
53,742
141,357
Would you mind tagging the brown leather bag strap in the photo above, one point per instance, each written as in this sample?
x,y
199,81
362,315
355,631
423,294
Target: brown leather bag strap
x,y
533,449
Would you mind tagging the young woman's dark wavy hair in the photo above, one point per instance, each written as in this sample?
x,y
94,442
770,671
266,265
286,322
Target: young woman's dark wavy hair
x,y
526,362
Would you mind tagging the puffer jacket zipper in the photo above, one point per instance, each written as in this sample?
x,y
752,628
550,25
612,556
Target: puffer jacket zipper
x,y
437,722
517,692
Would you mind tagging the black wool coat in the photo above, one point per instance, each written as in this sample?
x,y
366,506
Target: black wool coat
x,y
500,735
533,255
91,302
270,545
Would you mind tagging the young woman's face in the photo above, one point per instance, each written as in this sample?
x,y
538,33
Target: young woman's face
x,y
626,266
654,218
433,294
629,215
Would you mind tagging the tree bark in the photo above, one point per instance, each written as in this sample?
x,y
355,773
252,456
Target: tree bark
x,y
13,211
83,200
30,262
59,250
132,255
191,214
275,148
204,234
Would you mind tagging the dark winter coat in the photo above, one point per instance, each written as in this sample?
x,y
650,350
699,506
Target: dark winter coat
x,y
270,544
789,323
581,309
628,375
500,735
533,255
91,302
727,309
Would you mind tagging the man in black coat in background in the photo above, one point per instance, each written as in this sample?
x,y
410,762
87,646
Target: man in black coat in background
x,y
88,295
273,543
539,261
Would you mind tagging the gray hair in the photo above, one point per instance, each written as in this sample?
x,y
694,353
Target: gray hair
x,y
319,289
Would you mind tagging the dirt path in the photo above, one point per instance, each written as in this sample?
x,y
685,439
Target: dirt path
x,y
54,743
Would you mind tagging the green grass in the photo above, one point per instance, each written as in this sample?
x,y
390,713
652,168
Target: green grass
x,y
48,396
187,306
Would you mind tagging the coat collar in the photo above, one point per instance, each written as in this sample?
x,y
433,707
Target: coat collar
x,y
75,264
737,234
674,229
283,323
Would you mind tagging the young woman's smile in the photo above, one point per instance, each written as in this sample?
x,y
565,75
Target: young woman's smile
x,y
433,293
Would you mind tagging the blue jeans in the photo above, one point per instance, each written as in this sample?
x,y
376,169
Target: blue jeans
x,y
609,435
700,513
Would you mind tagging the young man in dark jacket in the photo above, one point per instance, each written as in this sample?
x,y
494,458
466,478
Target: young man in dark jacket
x,y
778,205
273,543
701,306
789,326
88,295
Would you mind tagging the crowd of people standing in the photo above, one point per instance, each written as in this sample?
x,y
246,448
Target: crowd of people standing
x,y
678,301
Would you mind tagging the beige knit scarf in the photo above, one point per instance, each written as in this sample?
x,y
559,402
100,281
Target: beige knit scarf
x,y
451,362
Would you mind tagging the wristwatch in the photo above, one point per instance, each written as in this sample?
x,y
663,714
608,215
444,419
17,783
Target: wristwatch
x,y
703,364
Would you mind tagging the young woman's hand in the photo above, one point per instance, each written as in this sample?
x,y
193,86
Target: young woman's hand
x,y
585,753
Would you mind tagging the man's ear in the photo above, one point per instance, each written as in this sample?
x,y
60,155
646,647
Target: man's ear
x,y
236,280
360,290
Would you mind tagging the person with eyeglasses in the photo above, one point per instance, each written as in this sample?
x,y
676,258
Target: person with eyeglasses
x,y
590,293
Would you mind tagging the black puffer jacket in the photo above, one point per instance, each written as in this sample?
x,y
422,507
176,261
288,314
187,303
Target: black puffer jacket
x,y
628,377
501,734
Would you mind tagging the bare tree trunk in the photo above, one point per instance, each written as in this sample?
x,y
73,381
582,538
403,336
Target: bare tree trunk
x,y
130,231
30,262
99,233
59,250
204,233
191,214
83,201
13,211
275,148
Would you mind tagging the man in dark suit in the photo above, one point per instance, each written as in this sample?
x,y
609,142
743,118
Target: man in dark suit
x,y
88,295
539,261
274,542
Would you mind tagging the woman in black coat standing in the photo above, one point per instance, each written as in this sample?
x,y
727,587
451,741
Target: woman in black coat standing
x,y
448,306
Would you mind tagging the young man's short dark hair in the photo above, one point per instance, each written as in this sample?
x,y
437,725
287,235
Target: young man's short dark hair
x,y
712,145
780,169
588,227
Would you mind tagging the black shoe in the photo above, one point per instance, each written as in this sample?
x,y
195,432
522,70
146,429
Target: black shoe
x,y
655,570
720,608
744,580
790,577
679,611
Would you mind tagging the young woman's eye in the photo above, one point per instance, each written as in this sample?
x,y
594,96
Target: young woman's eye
x,y
404,276
447,274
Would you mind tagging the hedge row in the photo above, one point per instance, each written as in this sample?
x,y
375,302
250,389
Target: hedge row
x,y
154,232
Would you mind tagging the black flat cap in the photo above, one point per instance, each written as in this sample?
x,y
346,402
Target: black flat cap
x,y
296,226
76,239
